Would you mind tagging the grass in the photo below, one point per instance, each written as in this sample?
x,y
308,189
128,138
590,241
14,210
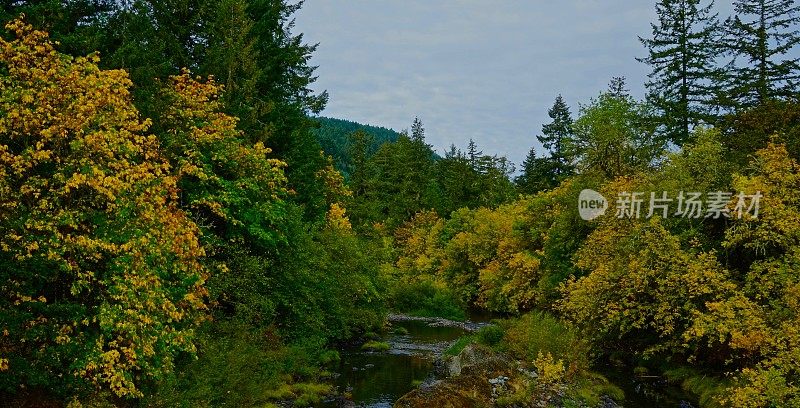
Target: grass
x,y
489,336
301,394
705,387
377,346
460,344
591,386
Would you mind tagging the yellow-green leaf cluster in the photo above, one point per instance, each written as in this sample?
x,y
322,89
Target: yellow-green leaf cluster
x,y
100,267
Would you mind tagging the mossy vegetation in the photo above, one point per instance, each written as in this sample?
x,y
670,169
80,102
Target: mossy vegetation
x,y
375,346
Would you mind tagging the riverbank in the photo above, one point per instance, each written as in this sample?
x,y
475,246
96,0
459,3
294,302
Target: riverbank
x,y
439,362
467,326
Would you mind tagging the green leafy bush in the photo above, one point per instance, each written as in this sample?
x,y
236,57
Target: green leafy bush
x,y
426,300
535,332
490,335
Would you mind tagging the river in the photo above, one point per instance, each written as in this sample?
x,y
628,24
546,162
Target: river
x,y
378,379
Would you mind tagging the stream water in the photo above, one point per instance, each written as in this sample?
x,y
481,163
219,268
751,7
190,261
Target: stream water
x,y
378,379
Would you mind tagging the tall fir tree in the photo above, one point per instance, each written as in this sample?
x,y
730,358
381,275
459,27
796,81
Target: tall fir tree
x,y
455,176
231,57
287,99
618,87
555,138
359,170
761,37
684,77
473,153
537,174
417,131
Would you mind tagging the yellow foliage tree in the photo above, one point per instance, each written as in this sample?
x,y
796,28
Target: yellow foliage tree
x,y
233,188
761,322
100,271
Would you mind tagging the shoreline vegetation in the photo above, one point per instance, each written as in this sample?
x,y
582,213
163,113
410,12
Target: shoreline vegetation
x,y
172,233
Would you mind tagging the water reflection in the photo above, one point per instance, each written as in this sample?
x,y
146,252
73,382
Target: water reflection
x,y
378,379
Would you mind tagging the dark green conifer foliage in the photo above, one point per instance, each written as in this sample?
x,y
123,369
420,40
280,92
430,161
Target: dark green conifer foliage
x,y
537,174
618,87
760,37
684,77
555,137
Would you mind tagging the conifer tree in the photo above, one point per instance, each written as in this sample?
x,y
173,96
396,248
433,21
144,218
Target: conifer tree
x,y
537,174
760,37
684,78
555,137
473,153
417,131
617,87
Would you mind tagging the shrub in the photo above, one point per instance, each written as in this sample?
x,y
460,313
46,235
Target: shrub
x,y
490,335
426,299
539,332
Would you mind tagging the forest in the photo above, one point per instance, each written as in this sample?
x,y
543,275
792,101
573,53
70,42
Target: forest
x,y
180,227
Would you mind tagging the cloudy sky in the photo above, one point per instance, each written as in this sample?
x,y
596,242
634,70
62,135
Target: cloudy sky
x,y
481,69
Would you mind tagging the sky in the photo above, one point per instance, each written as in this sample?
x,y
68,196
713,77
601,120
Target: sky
x,y
473,69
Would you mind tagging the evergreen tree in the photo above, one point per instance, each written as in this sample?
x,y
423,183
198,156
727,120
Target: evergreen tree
x,y
400,185
286,99
359,171
494,183
473,153
617,87
360,145
417,131
232,58
77,25
456,177
537,174
681,55
555,138
761,36
283,56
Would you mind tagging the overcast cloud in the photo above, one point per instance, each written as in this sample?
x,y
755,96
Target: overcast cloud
x,y
486,70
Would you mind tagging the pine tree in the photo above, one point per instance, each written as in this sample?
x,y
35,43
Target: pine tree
x,y
232,58
473,153
681,55
359,207
555,137
537,174
761,36
458,180
360,144
617,87
495,186
417,131
401,183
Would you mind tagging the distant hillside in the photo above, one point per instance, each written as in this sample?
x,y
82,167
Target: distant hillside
x,y
333,136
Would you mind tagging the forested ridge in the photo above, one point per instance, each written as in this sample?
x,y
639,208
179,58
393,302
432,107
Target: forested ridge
x,y
180,227
334,138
